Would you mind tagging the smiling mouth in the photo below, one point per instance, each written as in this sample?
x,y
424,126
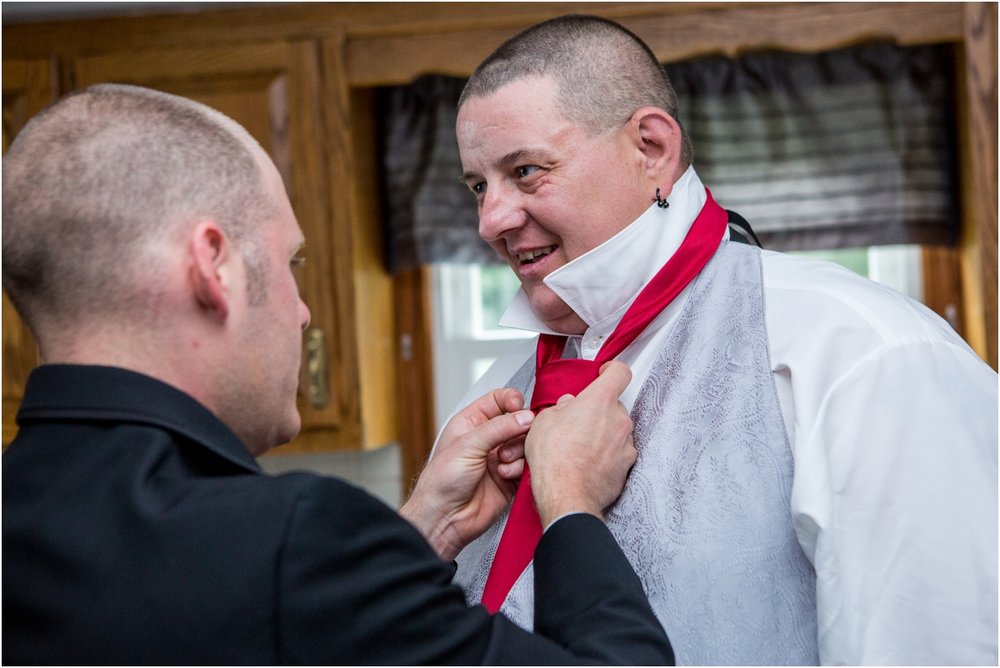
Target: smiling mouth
x,y
532,256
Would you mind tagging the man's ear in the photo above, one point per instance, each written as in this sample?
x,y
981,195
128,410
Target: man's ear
x,y
211,271
658,137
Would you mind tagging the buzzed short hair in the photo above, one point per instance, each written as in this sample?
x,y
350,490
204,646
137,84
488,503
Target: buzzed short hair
x,y
91,184
604,72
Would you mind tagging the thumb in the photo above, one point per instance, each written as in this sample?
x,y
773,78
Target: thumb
x,y
486,407
613,379
498,430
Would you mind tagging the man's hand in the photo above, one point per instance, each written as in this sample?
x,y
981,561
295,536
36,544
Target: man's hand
x,y
473,473
580,450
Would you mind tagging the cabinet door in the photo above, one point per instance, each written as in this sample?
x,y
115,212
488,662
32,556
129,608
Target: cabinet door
x,y
273,90
27,88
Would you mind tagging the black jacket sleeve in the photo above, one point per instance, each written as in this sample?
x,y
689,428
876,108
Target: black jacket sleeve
x,y
357,584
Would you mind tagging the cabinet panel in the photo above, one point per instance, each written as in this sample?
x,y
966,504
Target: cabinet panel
x,y
27,88
273,90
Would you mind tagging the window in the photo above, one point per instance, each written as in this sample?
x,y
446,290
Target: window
x,y
467,303
895,266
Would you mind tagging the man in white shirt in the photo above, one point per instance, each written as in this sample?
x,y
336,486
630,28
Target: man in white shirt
x,y
817,471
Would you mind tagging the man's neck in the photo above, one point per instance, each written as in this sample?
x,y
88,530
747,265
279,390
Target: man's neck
x,y
142,352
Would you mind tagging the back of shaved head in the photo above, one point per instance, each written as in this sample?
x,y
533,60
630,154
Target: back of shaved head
x,y
95,184
603,72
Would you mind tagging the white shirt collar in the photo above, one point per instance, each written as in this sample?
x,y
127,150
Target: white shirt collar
x,y
601,284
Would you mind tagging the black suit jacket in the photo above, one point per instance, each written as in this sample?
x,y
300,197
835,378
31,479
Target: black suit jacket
x,y
138,529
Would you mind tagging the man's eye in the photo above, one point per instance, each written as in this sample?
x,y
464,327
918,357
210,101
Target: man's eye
x,y
478,188
526,170
298,262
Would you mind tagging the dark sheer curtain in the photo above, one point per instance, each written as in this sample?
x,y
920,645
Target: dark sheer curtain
x,y
430,213
853,147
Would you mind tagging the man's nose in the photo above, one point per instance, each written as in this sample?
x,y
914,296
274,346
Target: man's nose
x,y
500,213
304,315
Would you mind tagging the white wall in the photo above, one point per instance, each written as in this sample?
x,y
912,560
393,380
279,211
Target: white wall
x,y
379,471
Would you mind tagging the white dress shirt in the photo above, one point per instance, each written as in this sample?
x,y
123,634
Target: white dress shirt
x,y
892,421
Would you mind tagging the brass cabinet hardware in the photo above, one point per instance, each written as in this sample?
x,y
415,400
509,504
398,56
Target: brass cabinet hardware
x,y
317,368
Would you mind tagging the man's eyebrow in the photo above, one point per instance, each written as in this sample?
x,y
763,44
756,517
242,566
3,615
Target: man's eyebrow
x,y
507,160
515,157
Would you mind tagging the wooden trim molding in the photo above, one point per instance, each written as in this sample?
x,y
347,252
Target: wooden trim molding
x,y
393,42
977,105
415,390
681,32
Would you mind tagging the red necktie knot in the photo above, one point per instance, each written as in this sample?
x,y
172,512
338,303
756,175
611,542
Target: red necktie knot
x,y
559,377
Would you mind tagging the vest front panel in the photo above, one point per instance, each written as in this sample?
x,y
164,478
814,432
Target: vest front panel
x,y
705,516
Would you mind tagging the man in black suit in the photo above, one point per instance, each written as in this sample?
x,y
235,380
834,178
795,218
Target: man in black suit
x,y
149,244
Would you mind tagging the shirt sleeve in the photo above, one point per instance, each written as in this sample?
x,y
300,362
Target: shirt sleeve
x,y
895,503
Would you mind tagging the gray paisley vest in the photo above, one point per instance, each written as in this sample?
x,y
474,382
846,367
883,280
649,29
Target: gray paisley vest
x,y
705,518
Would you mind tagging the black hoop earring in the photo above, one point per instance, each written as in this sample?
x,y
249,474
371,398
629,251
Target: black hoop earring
x,y
662,203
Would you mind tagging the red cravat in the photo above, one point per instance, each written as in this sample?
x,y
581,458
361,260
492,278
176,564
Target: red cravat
x,y
555,377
